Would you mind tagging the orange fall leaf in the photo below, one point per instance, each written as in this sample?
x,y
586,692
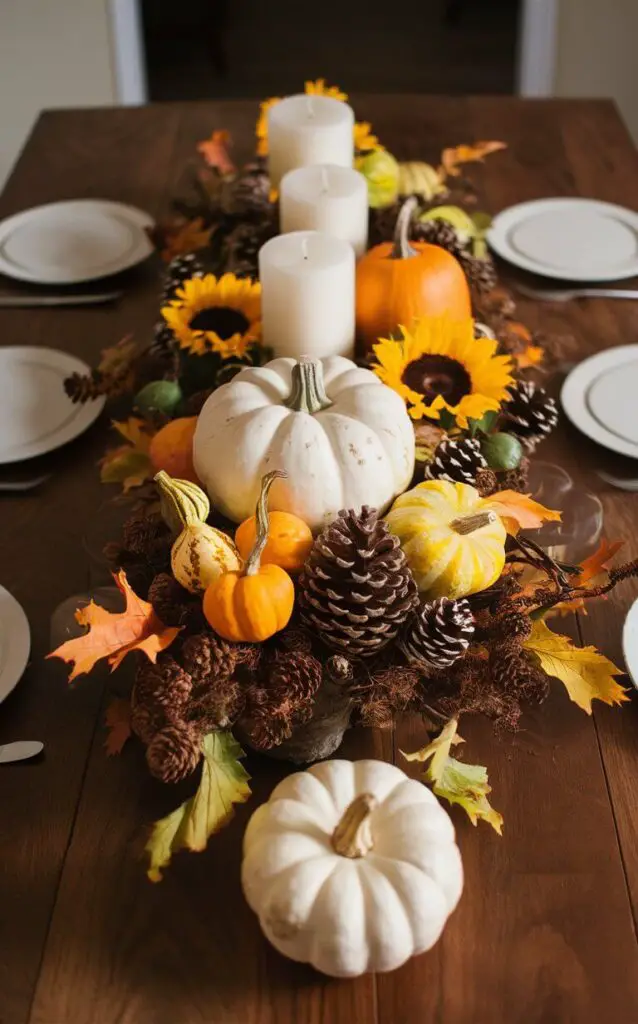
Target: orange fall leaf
x,y
520,511
453,157
118,723
598,561
113,635
215,152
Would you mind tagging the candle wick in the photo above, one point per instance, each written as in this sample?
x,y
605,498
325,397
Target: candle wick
x,y
304,248
325,184
309,106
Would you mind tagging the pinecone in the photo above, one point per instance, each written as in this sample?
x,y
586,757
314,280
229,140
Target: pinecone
x,y
516,479
339,669
439,633
174,752
173,604
207,657
530,413
181,269
244,243
480,273
382,222
456,461
164,685
286,699
146,535
438,232
146,721
249,193
487,483
356,589
513,670
84,387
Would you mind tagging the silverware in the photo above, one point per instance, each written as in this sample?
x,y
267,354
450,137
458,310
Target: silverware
x,y
20,751
18,486
623,484
28,301
565,294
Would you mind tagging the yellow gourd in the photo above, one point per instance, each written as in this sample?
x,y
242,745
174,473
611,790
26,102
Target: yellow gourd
x,y
453,541
201,553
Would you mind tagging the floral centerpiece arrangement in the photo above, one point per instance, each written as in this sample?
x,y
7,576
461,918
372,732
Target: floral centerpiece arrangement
x,y
315,543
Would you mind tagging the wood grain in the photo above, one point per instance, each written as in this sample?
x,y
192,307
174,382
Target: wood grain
x,y
544,932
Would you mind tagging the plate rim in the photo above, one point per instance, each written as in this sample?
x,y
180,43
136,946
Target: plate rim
x,y
134,216
87,413
497,237
627,625
573,399
19,643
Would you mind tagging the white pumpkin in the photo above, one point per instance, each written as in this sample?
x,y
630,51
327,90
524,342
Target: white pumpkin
x,y
343,437
351,867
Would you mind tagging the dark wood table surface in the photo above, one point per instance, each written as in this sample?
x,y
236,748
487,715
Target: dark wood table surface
x,y
545,931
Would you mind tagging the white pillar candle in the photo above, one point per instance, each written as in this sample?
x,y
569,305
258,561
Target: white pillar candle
x,y
307,295
326,198
306,130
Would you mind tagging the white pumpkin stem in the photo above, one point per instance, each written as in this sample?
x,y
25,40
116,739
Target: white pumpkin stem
x,y
254,559
178,508
475,521
352,836
308,391
402,249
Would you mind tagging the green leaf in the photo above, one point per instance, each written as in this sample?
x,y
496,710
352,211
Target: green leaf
x,y
224,782
447,419
485,424
454,781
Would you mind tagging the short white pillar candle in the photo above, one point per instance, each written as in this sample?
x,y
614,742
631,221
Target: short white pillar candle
x,y
307,295
326,198
306,130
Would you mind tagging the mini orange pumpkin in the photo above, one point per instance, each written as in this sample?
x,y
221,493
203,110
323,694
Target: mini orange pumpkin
x,y
400,281
171,449
288,544
252,604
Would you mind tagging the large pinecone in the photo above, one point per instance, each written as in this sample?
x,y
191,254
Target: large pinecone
x,y
438,232
530,413
456,461
174,752
181,269
439,633
356,589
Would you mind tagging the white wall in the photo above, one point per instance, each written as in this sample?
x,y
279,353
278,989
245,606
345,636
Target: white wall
x,y
597,53
53,53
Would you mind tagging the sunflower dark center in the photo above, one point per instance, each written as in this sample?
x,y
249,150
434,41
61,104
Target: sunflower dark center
x,y
433,375
223,320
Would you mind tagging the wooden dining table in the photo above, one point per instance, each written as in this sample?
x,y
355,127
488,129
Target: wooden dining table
x,y
545,932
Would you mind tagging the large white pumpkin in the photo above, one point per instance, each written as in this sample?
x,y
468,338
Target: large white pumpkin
x,y
343,437
351,867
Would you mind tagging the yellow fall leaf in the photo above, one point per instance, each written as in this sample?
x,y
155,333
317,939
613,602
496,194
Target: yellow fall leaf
x,y
455,781
452,157
586,674
520,511
224,782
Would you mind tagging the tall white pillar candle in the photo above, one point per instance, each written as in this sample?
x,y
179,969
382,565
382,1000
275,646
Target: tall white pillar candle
x,y
307,295
306,130
326,198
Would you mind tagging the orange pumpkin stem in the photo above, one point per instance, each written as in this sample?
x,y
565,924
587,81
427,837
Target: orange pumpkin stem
x,y
468,524
308,392
253,561
402,249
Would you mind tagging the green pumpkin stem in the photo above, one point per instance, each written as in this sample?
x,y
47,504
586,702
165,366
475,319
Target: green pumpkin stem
x,y
468,524
175,506
308,391
351,837
402,249
253,561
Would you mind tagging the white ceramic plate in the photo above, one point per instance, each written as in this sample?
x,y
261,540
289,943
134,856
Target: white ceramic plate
x,y
15,643
568,239
630,642
600,410
72,242
36,416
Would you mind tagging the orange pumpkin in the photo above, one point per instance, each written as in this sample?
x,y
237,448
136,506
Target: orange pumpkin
x,y
250,605
400,281
288,544
171,449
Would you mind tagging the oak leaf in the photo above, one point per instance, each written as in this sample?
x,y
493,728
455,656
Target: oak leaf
x,y
452,158
531,356
215,151
586,674
184,238
113,635
520,511
130,464
224,782
596,564
118,723
455,781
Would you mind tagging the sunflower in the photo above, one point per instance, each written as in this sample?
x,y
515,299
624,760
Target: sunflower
x,y
364,140
210,314
441,365
319,88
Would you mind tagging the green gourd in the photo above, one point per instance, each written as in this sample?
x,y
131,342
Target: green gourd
x,y
159,396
